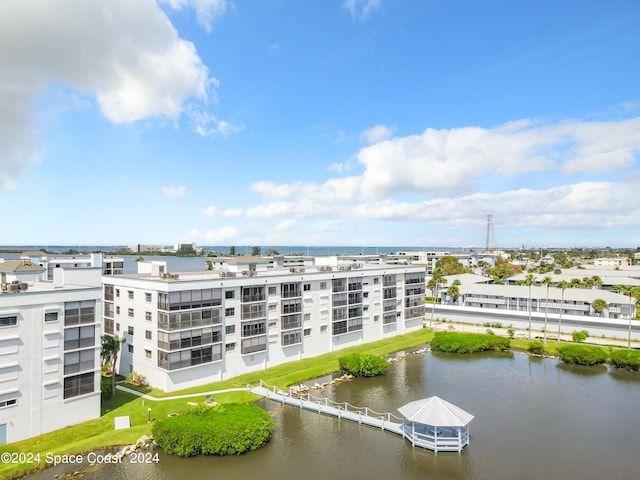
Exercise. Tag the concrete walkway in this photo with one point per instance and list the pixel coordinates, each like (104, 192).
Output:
(177, 397)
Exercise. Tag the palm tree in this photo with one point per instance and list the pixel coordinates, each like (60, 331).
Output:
(110, 349)
(587, 282)
(453, 290)
(632, 292)
(437, 278)
(562, 285)
(597, 281)
(547, 281)
(529, 280)
(599, 305)
(575, 283)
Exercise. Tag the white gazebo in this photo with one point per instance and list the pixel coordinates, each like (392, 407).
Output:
(436, 424)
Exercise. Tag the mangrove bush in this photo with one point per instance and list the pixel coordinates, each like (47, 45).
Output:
(226, 429)
(627, 359)
(583, 354)
(468, 342)
(363, 365)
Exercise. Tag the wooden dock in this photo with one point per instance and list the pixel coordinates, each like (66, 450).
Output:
(362, 415)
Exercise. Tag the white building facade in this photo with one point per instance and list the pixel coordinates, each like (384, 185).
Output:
(189, 329)
(49, 349)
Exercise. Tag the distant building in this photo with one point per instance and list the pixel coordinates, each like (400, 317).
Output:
(613, 261)
(49, 348)
(251, 313)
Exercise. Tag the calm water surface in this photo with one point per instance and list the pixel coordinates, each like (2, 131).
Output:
(535, 419)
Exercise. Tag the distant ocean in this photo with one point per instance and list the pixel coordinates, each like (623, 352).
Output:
(242, 250)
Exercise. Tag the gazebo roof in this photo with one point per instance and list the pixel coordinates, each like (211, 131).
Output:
(435, 411)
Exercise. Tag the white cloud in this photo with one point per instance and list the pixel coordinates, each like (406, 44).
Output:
(377, 133)
(361, 9)
(213, 211)
(206, 124)
(126, 54)
(441, 177)
(285, 226)
(222, 235)
(207, 11)
(174, 192)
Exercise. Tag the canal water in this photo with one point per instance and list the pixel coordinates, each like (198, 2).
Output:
(534, 419)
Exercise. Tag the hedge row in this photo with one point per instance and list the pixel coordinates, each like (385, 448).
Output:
(363, 365)
(583, 355)
(229, 429)
(468, 342)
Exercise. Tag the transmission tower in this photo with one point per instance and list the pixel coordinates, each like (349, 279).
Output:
(490, 245)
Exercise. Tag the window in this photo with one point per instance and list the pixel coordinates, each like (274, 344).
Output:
(8, 403)
(130, 330)
(10, 321)
(229, 312)
(147, 353)
(307, 332)
(79, 337)
(79, 385)
(230, 347)
(130, 294)
(273, 307)
(376, 281)
(130, 348)
(147, 297)
(147, 334)
(229, 294)
(75, 362)
(272, 290)
(147, 316)
(79, 312)
(323, 285)
(51, 316)
(130, 312)
(117, 292)
(117, 310)
(323, 328)
(117, 327)
(229, 329)
(291, 338)
(307, 287)
(307, 316)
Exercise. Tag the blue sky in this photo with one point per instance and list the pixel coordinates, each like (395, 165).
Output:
(344, 122)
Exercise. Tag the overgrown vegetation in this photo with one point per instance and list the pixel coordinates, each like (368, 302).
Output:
(627, 359)
(583, 354)
(468, 342)
(580, 336)
(363, 365)
(229, 429)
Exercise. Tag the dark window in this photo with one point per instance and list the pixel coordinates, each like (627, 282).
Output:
(11, 321)
(79, 385)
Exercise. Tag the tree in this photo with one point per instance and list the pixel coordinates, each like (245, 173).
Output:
(575, 283)
(110, 350)
(547, 281)
(255, 251)
(449, 265)
(579, 336)
(587, 282)
(232, 251)
(437, 278)
(596, 281)
(453, 290)
(599, 305)
(562, 285)
(529, 280)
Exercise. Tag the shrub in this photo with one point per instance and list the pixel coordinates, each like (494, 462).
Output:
(536, 348)
(511, 331)
(105, 387)
(363, 365)
(490, 332)
(229, 429)
(468, 342)
(627, 359)
(583, 355)
(579, 336)
(137, 379)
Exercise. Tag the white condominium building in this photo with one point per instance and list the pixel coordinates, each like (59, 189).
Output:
(190, 329)
(49, 348)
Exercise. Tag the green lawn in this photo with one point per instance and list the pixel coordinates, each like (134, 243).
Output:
(99, 433)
